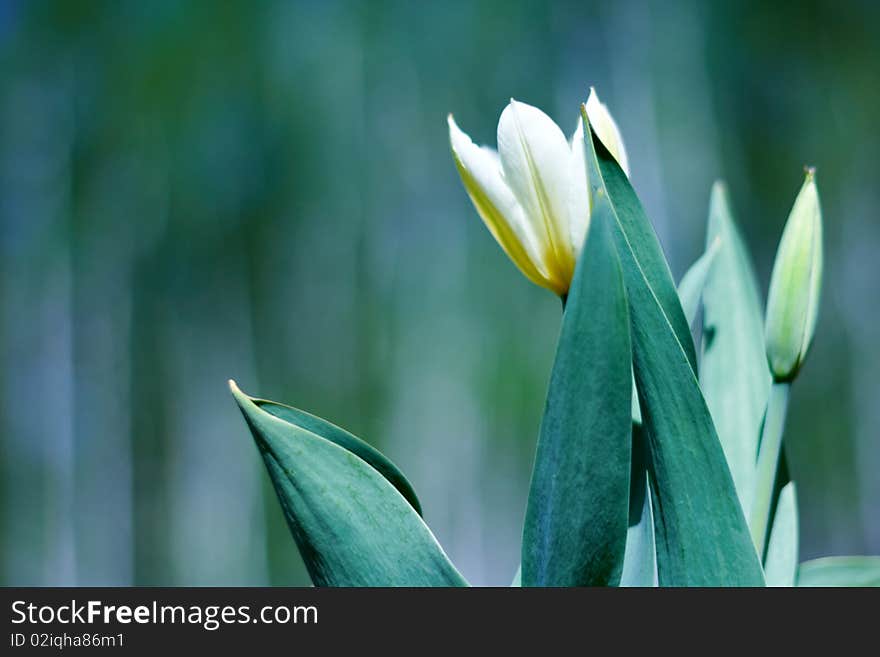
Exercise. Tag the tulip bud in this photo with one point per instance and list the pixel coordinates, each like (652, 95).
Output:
(795, 285)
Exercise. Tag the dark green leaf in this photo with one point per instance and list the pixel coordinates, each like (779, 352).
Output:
(840, 571)
(353, 528)
(701, 533)
(733, 371)
(345, 440)
(641, 248)
(576, 520)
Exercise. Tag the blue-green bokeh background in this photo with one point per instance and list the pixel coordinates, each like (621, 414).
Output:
(192, 191)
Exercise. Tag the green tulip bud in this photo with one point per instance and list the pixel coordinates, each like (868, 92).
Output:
(795, 285)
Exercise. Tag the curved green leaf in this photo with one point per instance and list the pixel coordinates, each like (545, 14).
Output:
(840, 571)
(733, 370)
(352, 527)
(576, 519)
(701, 532)
(347, 441)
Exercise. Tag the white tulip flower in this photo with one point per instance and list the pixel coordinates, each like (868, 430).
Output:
(533, 194)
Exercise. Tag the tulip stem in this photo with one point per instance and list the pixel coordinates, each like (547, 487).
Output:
(768, 462)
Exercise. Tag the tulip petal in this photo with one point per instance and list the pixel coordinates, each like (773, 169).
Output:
(535, 159)
(606, 129)
(579, 191)
(480, 171)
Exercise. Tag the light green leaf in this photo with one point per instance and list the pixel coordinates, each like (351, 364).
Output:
(640, 558)
(733, 371)
(780, 565)
(635, 411)
(347, 441)
(701, 533)
(576, 519)
(690, 287)
(771, 471)
(517, 578)
(840, 571)
(352, 526)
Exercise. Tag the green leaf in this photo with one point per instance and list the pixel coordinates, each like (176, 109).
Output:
(733, 370)
(641, 248)
(576, 519)
(352, 526)
(701, 533)
(780, 565)
(771, 472)
(517, 578)
(690, 287)
(840, 571)
(640, 558)
(347, 441)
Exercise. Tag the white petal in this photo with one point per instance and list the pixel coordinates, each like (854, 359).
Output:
(579, 195)
(607, 130)
(536, 160)
(480, 170)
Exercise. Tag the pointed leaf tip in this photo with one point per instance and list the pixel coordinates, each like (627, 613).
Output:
(329, 431)
(352, 525)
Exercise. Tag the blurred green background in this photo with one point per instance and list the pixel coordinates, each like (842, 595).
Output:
(193, 191)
